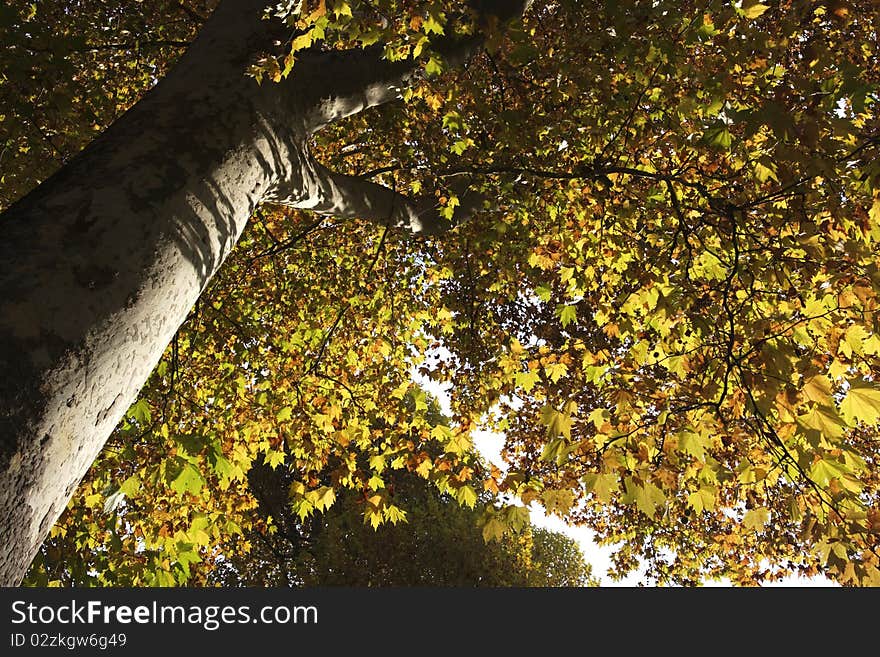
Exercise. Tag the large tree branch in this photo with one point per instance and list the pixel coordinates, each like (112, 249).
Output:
(363, 78)
(330, 193)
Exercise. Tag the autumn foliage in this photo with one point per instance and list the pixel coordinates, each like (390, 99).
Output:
(667, 302)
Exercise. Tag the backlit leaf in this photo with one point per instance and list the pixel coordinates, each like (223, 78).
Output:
(862, 402)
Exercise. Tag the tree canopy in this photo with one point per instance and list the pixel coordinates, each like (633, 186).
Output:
(666, 297)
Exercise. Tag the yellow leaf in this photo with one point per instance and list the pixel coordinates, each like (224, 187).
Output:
(703, 499)
(693, 444)
(556, 371)
(557, 501)
(837, 369)
(320, 11)
(824, 470)
(275, 458)
(872, 345)
(301, 42)
(855, 338)
(756, 518)
(754, 11)
(764, 173)
(824, 420)
(818, 389)
(527, 380)
(874, 212)
(647, 497)
(558, 424)
(467, 495)
(604, 486)
(493, 530)
(862, 402)
(325, 497)
(424, 468)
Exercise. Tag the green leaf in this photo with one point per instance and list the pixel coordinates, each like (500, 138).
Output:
(140, 411)
(567, 314)
(189, 480)
(284, 414)
(718, 135)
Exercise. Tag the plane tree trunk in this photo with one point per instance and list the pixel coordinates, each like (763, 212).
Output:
(100, 264)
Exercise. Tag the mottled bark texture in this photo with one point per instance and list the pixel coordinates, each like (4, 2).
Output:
(100, 264)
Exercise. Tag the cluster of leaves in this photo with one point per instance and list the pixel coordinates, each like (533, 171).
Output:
(403, 29)
(304, 376)
(68, 68)
(677, 305)
(668, 307)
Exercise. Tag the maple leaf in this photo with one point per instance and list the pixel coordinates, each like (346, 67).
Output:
(861, 402)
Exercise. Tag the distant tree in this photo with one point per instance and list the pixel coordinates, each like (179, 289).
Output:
(439, 544)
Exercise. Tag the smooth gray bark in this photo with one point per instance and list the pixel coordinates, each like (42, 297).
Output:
(100, 264)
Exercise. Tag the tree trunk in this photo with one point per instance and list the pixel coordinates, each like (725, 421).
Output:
(100, 264)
